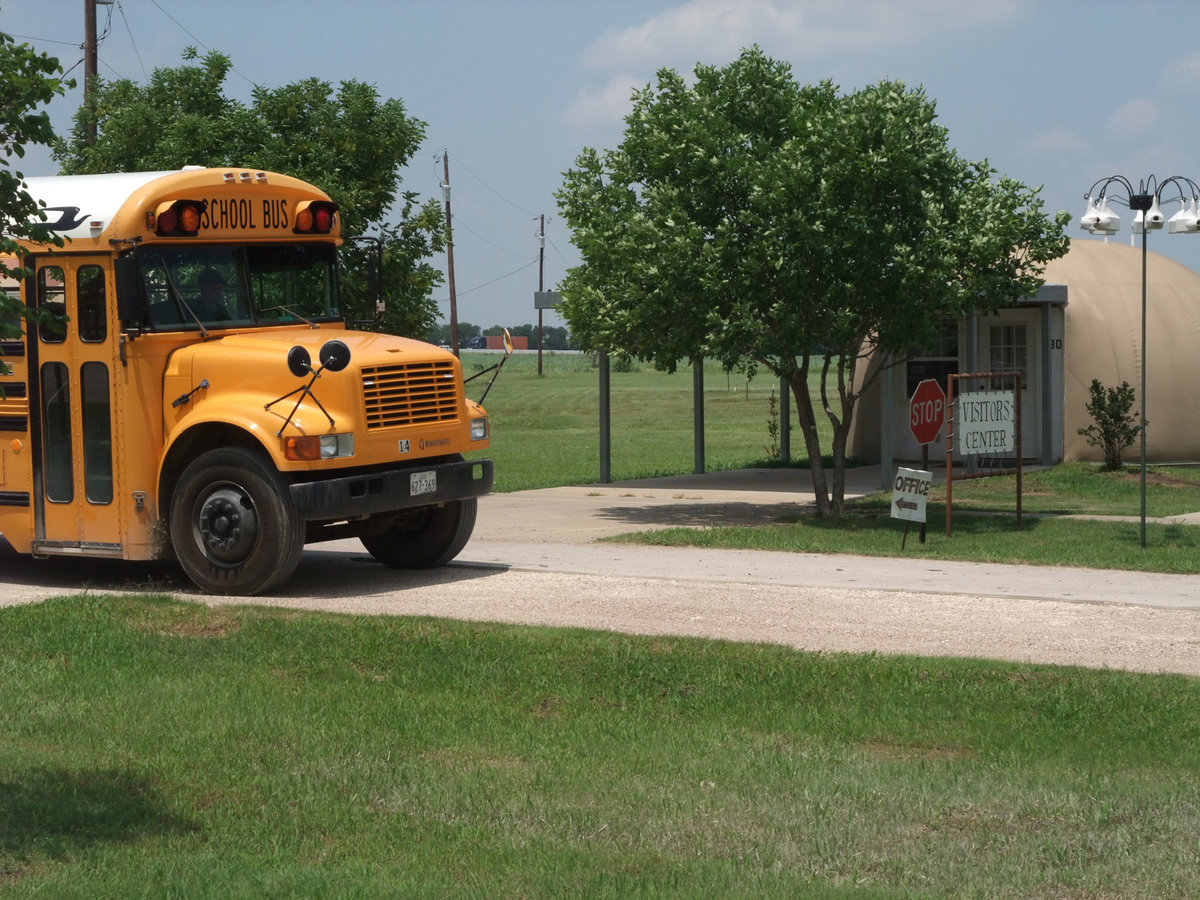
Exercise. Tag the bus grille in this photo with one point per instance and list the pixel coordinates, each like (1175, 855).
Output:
(411, 394)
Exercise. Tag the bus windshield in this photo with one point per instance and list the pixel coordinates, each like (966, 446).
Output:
(238, 286)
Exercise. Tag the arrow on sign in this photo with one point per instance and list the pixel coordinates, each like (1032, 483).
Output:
(907, 504)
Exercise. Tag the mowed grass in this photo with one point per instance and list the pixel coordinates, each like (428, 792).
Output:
(150, 748)
(985, 527)
(546, 428)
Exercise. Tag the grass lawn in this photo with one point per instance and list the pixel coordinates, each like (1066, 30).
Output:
(150, 748)
(985, 527)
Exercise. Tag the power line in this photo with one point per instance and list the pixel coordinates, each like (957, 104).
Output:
(42, 40)
(497, 278)
(198, 41)
(493, 190)
(458, 223)
(557, 248)
(132, 42)
(457, 220)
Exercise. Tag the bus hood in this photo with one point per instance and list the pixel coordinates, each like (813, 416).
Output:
(273, 348)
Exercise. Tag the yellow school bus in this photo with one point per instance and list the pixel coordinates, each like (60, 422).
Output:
(193, 389)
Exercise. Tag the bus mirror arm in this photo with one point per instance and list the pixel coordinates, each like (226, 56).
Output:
(334, 357)
(508, 351)
(184, 398)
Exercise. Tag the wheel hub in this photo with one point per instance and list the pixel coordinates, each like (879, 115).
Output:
(227, 525)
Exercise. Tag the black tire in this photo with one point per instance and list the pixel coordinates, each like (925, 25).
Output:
(234, 524)
(426, 537)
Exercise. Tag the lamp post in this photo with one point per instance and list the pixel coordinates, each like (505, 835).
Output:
(1146, 201)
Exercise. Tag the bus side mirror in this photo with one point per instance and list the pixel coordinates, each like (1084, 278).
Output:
(131, 299)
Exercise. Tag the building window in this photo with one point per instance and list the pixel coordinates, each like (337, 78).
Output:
(1009, 350)
(938, 362)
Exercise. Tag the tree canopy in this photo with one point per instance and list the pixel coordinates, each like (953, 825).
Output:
(28, 81)
(345, 140)
(770, 225)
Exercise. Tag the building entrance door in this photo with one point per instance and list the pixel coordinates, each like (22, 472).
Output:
(1009, 343)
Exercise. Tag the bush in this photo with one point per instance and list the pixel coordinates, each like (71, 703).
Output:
(1114, 427)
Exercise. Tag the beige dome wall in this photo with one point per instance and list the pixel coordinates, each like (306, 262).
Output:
(1104, 335)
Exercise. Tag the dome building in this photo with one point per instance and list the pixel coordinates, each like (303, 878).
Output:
(1084, 324)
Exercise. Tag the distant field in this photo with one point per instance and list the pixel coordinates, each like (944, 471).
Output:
(546, 428)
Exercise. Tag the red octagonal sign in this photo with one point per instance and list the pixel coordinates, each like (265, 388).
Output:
(927, 411)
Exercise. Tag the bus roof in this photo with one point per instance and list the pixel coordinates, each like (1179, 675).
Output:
(73, 202)
(82, 207)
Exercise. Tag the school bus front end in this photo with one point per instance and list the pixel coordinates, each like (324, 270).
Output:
(364, 433)
(198, 394)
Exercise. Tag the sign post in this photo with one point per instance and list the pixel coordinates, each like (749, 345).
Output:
(926, 415)
(910, 490)
(984, 424)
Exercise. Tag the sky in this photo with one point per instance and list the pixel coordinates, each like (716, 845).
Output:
(1054, 93)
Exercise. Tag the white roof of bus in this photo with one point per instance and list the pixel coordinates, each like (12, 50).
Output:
(77, 200)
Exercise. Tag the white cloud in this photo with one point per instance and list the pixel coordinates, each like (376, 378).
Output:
(714, 31)
(1181, 75)
(1134, 118)
(594, 110)
(1056, 142)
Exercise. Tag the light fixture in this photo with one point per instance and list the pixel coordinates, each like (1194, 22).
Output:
(1146, 202)
(1187, 220)
(1099, 219)
(1149, 219)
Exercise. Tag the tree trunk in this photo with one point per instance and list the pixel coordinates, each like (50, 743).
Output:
(812, 442)
(830, 504)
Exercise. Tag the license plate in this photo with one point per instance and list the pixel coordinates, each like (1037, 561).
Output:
(422, 483)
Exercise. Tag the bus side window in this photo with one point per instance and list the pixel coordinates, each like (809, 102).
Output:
(56, 425)
(90, 305)
(52, 306)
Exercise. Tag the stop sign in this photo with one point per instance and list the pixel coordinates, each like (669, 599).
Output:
(927, 411)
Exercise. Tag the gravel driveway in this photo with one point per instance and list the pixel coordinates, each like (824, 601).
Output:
(534, 560)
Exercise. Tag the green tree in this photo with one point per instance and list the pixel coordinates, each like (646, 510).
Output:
(771, 225)
(344, 140)
(28, 80)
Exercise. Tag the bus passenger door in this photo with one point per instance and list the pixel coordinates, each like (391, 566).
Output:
(74, 481)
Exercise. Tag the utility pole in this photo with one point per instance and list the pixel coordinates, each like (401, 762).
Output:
(90, 58)
(89, 61)
(541, 236)
(450, 256)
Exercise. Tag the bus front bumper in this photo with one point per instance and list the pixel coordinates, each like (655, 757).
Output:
(390, 490)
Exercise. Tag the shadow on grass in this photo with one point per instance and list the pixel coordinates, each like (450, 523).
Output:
(55, 813)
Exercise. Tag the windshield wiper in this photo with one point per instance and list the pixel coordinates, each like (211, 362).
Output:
(292, 313)
(179, 298)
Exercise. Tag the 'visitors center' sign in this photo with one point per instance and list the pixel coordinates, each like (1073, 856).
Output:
(985, 423)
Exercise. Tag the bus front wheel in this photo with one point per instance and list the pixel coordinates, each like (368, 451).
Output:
(234, 525)
(426, 537)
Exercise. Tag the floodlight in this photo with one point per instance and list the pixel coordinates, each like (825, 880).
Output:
(1099, 219)
(1187, 220)
(1149, 220)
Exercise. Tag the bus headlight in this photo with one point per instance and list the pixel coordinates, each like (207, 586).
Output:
(309, 447)
(479, 429)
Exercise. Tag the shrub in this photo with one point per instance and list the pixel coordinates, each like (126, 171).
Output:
(1113, 427)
